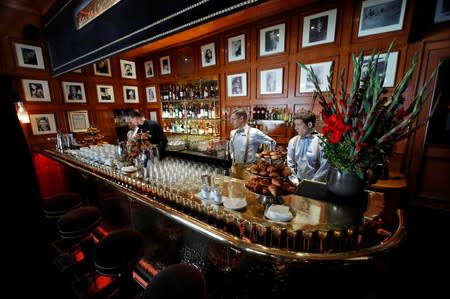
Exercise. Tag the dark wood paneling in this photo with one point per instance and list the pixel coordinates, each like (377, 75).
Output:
(187, 45)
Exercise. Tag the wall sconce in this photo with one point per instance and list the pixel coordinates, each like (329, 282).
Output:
(22, 113)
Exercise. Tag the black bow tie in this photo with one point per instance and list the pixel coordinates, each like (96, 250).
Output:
(240, 130)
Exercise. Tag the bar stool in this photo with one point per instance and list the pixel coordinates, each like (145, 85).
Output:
(61, 203)
(78, 224)
(54, 207)
(177, 281)
(116, 254)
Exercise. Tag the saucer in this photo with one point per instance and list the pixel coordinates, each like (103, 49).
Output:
(278, 213)
(129, 169)
(234, 203)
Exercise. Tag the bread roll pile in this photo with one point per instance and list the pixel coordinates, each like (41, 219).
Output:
(277, 154)
(270, 179)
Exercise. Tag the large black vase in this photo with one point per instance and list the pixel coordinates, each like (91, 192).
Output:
(344, 184)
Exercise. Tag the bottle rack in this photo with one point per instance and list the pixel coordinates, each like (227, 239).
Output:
(191, 108)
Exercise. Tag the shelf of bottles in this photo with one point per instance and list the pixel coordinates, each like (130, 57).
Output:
(274, 112)
(191, 108)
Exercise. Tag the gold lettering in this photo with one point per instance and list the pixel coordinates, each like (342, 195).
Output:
(92, 10)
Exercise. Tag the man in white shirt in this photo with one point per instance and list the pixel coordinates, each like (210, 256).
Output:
(244, 143)
(304, 154)
(133, 130)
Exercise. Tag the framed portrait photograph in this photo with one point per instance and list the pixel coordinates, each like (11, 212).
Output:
(319, 28)
(391, 67)
(29, 56)
(379, 16)
(43, 124)
(149, 69)
(153, 115)
(442, 12)
(236, 48)
(271, 81)
(130, 94)
(74, 92)
(208, 53)
(103, 68)
(151, 94)
(237, 85)
(271, 39)
(36, 90)
(105, 93)
(165, 65)
(127, 69)
(78, 121)
(321, 70)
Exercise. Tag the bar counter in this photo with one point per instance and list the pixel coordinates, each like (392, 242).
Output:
(322, 229)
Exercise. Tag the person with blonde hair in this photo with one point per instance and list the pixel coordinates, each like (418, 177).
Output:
(244, 143)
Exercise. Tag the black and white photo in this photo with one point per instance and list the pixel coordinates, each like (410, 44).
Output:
(127, 69)
(321, 70)
(43, 124)
(74, 92)
(208, 53)
(154, 115)
(442, 12)
(151, 94)
(102, 68)
(379, 16)
(105, 93)
(236, 48)
(130, 94)
(271, 81)
(36, 90)
(391, 67)
(272, 39)
(78, 121)
(237, 85)
(149, 70)
(319, 28)
(165, 65)
(29, 56)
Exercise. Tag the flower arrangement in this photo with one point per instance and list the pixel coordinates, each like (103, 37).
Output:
(139, 143)
(361, 127)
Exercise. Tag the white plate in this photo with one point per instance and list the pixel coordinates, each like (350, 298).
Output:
(235, 203)
(278, 213)
(129, 169)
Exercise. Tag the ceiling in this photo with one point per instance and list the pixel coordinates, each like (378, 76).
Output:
(260, 11)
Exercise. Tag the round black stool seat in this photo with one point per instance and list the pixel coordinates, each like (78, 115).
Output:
(177, 281)
(59, 204)
(79, 222)
(118, 252)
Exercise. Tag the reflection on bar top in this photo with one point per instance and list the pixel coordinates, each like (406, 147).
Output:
(316, 209)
